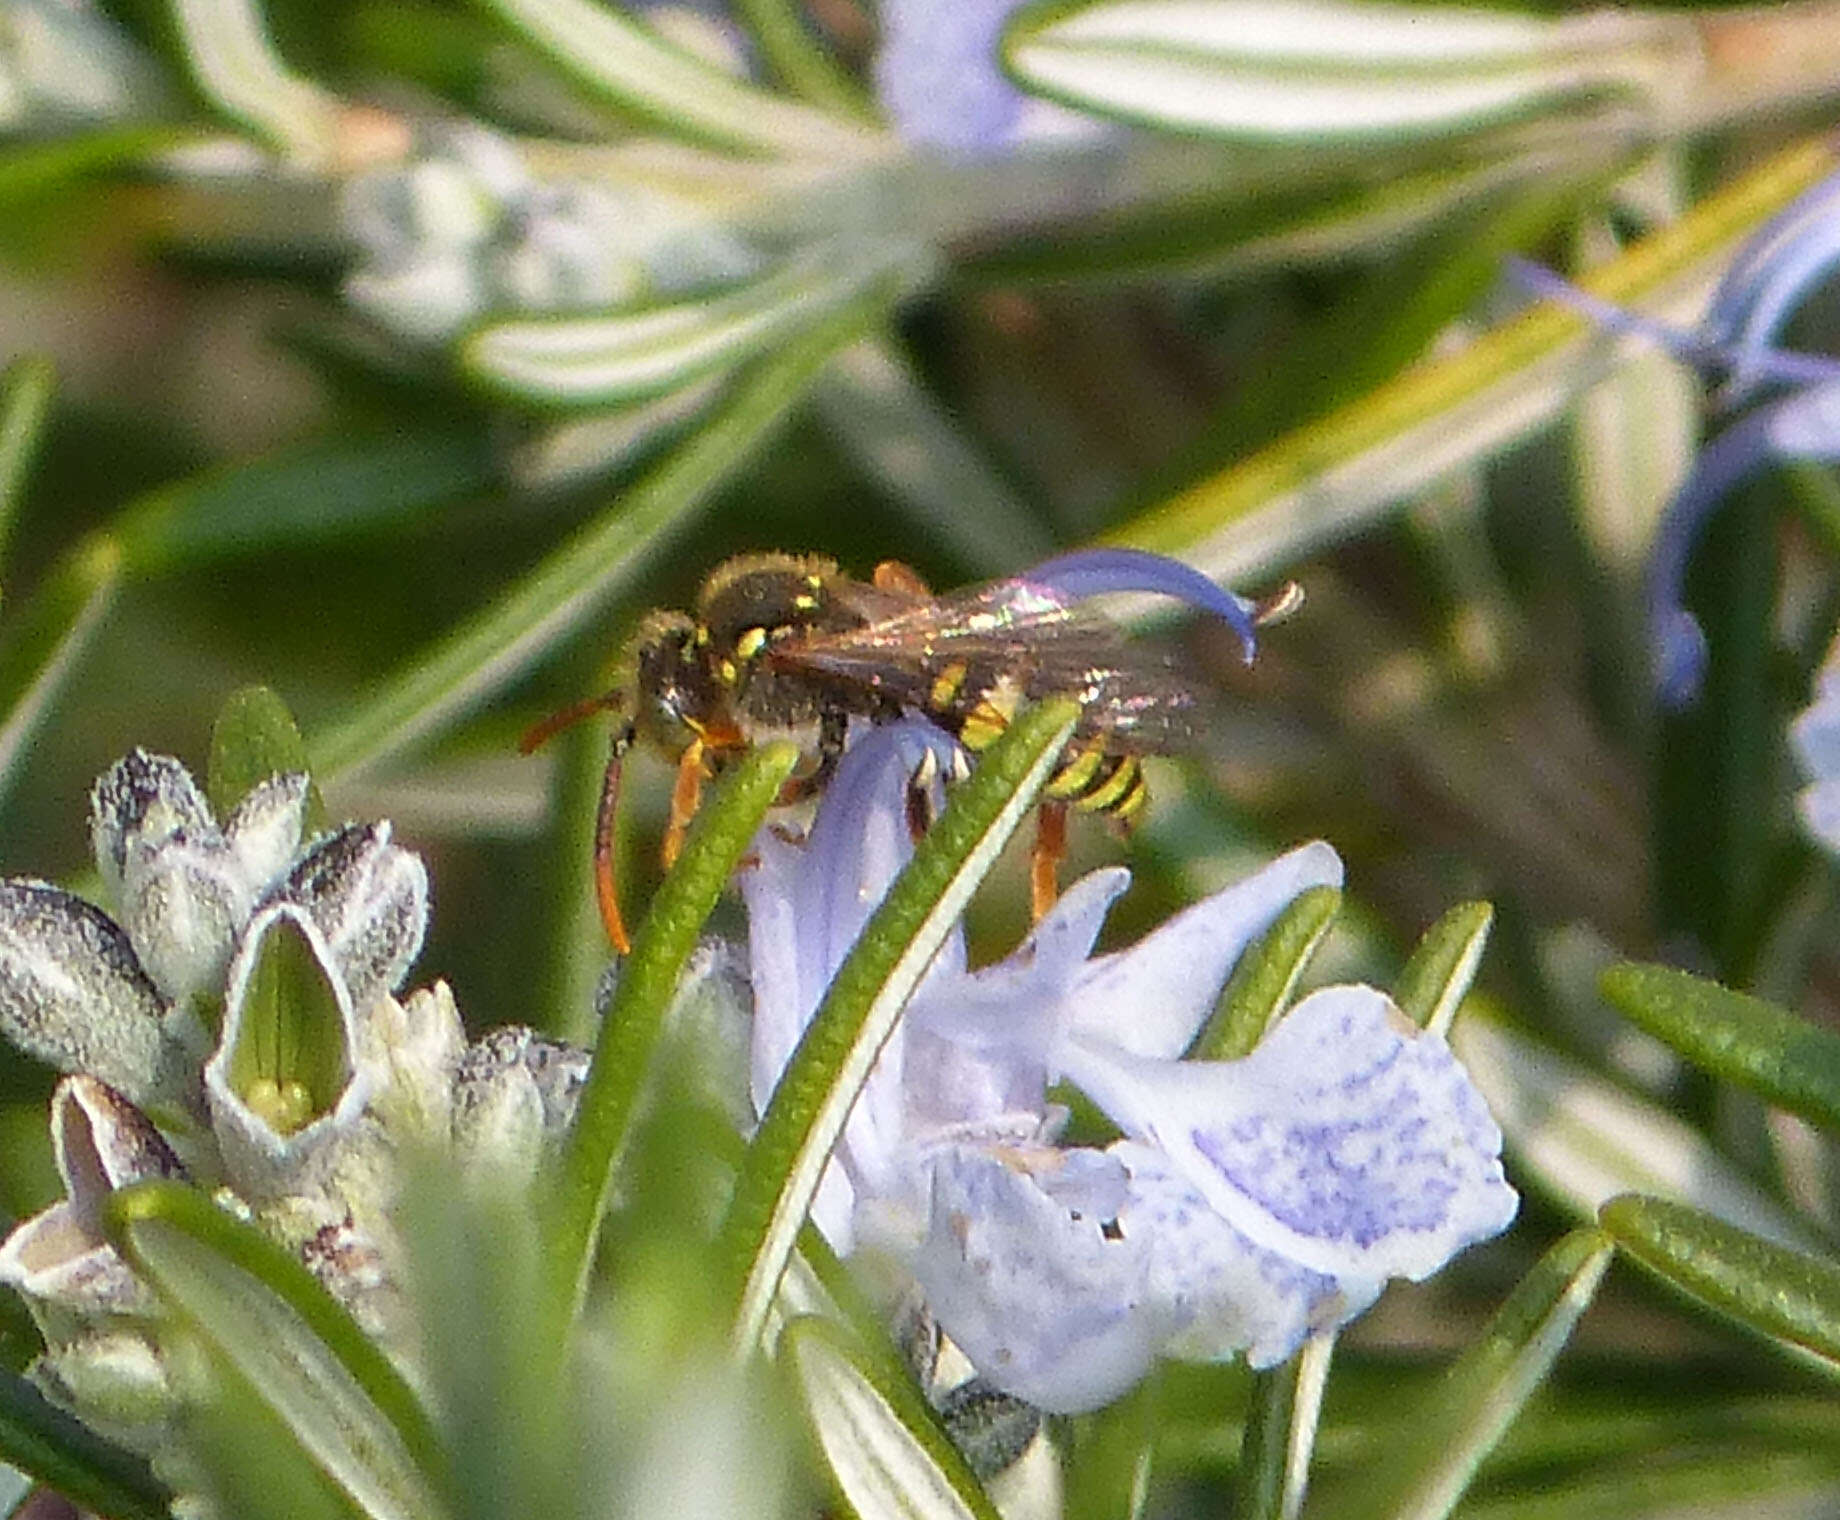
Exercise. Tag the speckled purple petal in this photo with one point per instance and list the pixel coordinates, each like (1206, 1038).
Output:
(1096, 572)
(1804, 424)
(1230, 1295)
(1348, 1142)
(1152, 999)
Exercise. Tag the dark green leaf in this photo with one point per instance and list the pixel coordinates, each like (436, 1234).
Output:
(1267, 974)
(25, 398)
(1758, 1046)
(1439, 1444)
(300, 1349)
(254, 738)
(1435, 979)
(721, 832)
(1787, 1294)
(783, 1164)
(62, 1453)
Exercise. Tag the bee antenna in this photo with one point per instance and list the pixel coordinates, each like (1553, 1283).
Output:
(540, 733)
(606, 888)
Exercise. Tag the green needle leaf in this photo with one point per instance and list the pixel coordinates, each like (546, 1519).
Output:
(1266, 977)
(1461, 1422)
(720, 834)
(255, 737)
(492, 648)
(25, 401)
(595, 361)
(884, 1446)
(626, 63)
(1274, 1461)
(1758, 1046)
(1442, 967)
(237, 70)
(263, 1313)
(44, 640)
(1786, 1294)
(1325, 70)
(60, 1452)
(780, 1172)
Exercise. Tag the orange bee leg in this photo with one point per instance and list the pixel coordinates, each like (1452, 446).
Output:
(606, 890)
(892, 575)
(1045, 861)
(686, 797)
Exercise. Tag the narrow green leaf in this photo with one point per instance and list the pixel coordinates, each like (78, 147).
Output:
(720, 834)
(1743, 1483)
(1765, 1049)
(1787, 1294)
(36, 168)
(1274, 1460)
(1438, 976)
(59, 1451)
(1266, 977)
(885, 1449)
(1316, 70)
(25, 400)
(299, 1349)
(786, 1158)
(599, 360)
(1584, 1139)
(805, 64)
(321, 490)
(43, 641)
(918, 452)
(236, 69)
(626, 63)
(255, 737)
(1332, 477)
(1431, 1465)
(492, 648)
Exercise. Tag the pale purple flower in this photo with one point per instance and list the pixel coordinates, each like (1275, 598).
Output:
(1784, 263)
(939, 76)
(1249, 1205)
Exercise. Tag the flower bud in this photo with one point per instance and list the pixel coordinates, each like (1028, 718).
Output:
(514, 1094)
(147, 800)
(73, 994)
(370, 901)
(264, 831)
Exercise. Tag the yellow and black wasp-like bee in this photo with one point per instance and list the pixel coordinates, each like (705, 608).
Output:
(788, 646)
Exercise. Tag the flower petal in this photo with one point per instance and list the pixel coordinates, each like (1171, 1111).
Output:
(1349, 1141)
(1045, 1302)
(1152, 999)
(1802, 425)
(938, 77)
(1097, 572)
(1232, 1295)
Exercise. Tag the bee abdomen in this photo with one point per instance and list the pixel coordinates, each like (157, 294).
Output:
(1096, 781)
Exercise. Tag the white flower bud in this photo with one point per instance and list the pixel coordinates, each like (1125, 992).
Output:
(146, 800)
(515, 1093)
(370, 901)
(182, 904)
(264, 831)
(73, 994)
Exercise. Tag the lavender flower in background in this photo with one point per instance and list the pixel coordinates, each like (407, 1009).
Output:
(1250, 1204)
(939, 77)
(1771, 277)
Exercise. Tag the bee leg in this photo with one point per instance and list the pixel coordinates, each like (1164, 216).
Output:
(833, 734)
(918, 798)
(686, 797)
(606, 889)
(1045, 861)
(892, 575)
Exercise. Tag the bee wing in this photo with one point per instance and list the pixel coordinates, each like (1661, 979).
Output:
(943, 654)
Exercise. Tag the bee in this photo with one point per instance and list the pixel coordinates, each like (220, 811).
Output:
(786, 646)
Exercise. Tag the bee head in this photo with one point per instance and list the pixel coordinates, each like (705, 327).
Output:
(673, 695)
